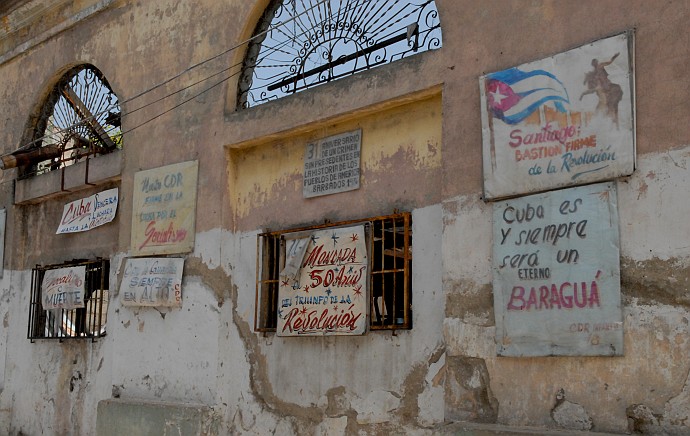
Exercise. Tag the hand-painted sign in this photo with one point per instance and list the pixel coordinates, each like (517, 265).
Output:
(331, 165)
(88, 213)
(561, 121)
(63, 288)
(556, 274)
(164, 209)
(152, 282)
(329, 295)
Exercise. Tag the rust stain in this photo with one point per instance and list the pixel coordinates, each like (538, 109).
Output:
(642, 190)
(439, 377)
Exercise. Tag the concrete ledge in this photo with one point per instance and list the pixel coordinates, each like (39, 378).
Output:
(81, 175)
(132, 417)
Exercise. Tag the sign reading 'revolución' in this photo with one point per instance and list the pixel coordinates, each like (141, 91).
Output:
(556, 274)
(331, 165)
(327, 294)
(561, 121)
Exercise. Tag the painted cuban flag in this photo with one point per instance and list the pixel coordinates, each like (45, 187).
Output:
(514, 94)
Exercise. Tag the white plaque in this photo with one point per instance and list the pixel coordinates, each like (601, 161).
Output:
(331, 165)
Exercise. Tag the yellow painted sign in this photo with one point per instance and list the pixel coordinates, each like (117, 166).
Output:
(164, 209)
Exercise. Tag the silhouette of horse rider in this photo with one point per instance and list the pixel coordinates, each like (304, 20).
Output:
(609, 94)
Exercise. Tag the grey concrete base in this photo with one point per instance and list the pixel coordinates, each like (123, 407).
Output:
(471, 429)
(131, 417)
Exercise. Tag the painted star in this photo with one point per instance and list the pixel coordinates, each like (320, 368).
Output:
(358, 291)
(306, 288)
(497, 96)
(328, 291)
(335, 239)
(335, 308)
(314, 238)
(286, 282)
(280, 314)
(354, 237)
(352, 268)
(303, 311)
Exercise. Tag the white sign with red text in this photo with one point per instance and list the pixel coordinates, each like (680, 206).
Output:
(328, 295)
(164, 209)
(63, 288)
(561, 121)
(556, 274)
(88, 213)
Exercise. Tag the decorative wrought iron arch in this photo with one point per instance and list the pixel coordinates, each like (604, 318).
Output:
(299, 44)
(79, 118)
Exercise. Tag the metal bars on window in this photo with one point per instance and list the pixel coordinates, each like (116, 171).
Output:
(391, 248)
(87, 322)
(299, 44)
(390, 271)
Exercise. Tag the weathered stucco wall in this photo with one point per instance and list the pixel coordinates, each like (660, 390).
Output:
(653, 372)
(421, 152)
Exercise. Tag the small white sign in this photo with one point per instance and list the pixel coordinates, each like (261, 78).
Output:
(63, 288)
(331, 165)
(88, 213)
(152, 282)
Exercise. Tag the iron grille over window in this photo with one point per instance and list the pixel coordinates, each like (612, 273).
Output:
(389, 242)
(79, 119)
(303, 43)
(83, 322)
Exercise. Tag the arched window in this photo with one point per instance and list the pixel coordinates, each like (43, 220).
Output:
(299, 44)
(79, 118)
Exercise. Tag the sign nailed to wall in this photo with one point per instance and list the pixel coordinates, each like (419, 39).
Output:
(164, 209)
(561, 121)
(152, 282)
(327, 295)
(556, 274)
(331, 165)
(63, 288)
(88, 213)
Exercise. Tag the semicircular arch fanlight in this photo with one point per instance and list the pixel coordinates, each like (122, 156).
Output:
(79, 118)
(299, 44)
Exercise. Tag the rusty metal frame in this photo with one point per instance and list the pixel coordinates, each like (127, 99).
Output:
(397, 219)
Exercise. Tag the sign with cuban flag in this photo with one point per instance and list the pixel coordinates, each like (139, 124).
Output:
(561, 121)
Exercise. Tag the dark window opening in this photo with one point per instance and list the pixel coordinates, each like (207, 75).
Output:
(77, 323)
(389, 241)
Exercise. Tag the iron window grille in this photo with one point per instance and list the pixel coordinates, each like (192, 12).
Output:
(299, 44)
(79, 119)
(81, 323)
(389, 242)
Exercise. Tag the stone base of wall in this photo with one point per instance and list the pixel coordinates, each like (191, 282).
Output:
(129, 417)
